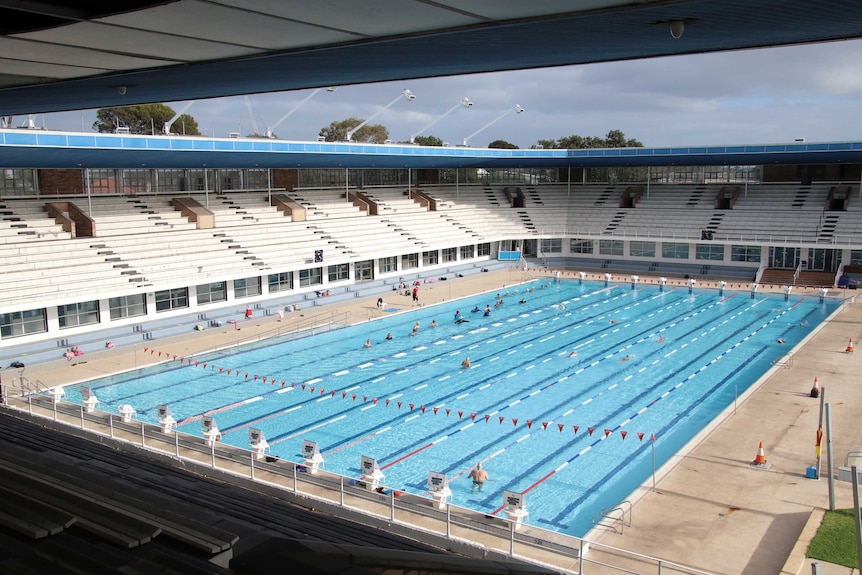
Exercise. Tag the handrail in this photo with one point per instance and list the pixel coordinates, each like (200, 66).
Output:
(608, 513)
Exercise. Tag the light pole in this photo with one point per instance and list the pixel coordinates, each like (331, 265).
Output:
(406, 94)
(271, 129)
(516, 108)
(464, 103)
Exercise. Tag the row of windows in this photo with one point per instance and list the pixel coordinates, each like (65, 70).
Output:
(669, 250)
(18, 324)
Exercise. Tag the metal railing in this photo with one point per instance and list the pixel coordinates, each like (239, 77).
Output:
(611, 517)
(387, 507)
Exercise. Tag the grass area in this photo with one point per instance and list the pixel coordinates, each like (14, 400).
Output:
(835, 541)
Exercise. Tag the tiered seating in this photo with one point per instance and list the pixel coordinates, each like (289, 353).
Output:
(122, 215)
(240, 208)
(23, 220)
(323, 204)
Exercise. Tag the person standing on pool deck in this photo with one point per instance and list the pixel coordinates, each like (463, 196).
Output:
(479, 477)
(416, 295)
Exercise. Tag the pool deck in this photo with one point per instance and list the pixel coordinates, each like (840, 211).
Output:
(711, 508)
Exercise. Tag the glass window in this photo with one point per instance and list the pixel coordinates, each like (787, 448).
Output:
(674, 250)
(246, 287)
(581, 246)
(17, 182)
(127, 306)
(855, 259)
(18, 323)
(611, 247)
(170, 180)
(363, 271)
(714, 252)
(103, 181)
(552, 246)
(209, 293)
(409, 261)
(230, 179)
(339, 272)
(640, 249)
(75, 314)
(280, 282)
(388, 265)
(172, 299)
(257, 179)
(467, 252)
(450, 255)
(483, 249)
(745, 254)
(430, 258)
(311, 277)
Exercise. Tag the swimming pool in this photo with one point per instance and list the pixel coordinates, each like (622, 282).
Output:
(563, 397)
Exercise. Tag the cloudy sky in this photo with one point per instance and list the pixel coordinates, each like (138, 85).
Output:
(770, 95)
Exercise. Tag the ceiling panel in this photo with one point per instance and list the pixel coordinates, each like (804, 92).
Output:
(70, 56)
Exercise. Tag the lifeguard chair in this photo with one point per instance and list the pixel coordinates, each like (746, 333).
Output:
(258, 443)
(371, 474)
(438, 487)
(311, 456)
(166, 422)
(515, 508)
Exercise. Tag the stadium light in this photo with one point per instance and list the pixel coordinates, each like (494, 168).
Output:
(464, 103)
(516, 108)
(406, 94)
(271, 129)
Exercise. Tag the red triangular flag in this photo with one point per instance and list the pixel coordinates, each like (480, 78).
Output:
(515, 421)
(411, 407)
(422, 407)
(576, 428)
(545, 425)
(608, 432)
(560, 425)
(624, 433)
(487, 417)
(501, 419)
(529, 424)
(591, 429)
(641, 435)
(652, 436)
(435, 410)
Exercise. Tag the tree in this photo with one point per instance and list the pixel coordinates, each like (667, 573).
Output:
(428, 141)
(545, 144)
(613, 139)
(372, 134)
(503, 144)
(144, 119)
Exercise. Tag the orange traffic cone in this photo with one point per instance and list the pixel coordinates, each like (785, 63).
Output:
(849, 347)
(760, 458)
(815, 389)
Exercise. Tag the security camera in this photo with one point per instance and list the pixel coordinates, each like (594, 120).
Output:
(677, 27)
(121, 90)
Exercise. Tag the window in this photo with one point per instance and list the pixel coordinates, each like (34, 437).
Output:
(127, 306)
(581, 246)
(75, 314)
(339, 272)
(257, 178)
(449, 255)
(209, 293)
(103, 181)
(170, 180)
(387, 265)
(136, 181)
(280, 282)
(642, 249)
(611, 247)
(552, 246)
(311, 277)
(745, 254)
(172, 299)
(18, 323)
(230, 179)
(18, 182)
(430, 258)
(673, 250)
(467, 252)
(363, 271)
(483, 249)
(409, 261)
(714, 252)
(246, 287)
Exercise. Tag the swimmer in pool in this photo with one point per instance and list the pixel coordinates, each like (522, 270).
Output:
(627, 358)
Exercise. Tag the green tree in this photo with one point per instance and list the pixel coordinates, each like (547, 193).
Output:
(545, 144)
(503, 144)
(144, 119)
(372, 134)
(613, 139)
(428, 141)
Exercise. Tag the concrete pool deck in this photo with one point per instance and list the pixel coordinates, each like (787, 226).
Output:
(711, 509)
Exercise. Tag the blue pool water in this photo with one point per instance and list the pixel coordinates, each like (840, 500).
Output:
(542, 420)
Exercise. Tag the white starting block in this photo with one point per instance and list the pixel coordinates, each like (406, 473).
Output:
(166, 421)
(438, 487)
(89, 398)
(515, 508)
(126, 412)
(56, 393)
(258, 443)
(371, 474)
(210, 431)
(311, 457)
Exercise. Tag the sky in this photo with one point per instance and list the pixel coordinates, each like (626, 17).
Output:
(770, 95)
